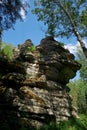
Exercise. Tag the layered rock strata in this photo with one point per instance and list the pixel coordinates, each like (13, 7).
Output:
(33, 89)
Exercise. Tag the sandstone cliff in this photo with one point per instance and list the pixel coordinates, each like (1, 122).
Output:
(33, 87)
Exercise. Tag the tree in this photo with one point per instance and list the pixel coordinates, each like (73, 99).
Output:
(83, 71)
(10, 11)
(79, 87)
(83, 61)
(64, 18)
(78, 91)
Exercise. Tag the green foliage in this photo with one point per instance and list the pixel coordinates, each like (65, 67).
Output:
(83, 120)
(71, 124)
(32, 48)
(62, 16)
(83, 83)
(7, 50)
(79, 87)
(73, 92)
(83, 61)
(78, 90)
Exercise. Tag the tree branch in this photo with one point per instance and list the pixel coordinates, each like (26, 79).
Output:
(73, 26)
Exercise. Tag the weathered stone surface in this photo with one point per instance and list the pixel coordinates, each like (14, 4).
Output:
(33, 87)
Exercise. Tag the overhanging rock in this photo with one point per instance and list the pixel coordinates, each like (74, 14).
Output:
(33, 87)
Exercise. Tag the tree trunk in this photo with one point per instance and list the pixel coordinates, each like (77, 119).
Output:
(76, 33)
(0, 40)
(81, 43)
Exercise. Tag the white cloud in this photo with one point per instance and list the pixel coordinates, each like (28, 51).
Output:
(22, 12)
(85, 42)
(72, 48)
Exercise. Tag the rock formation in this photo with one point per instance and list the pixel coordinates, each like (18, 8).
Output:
(33, 89)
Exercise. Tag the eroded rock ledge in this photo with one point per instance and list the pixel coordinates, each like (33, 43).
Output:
(33, 87)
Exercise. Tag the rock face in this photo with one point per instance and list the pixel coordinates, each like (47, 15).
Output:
(33, 89)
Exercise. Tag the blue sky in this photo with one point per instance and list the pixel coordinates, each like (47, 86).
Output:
(32, 29)
(29, 29)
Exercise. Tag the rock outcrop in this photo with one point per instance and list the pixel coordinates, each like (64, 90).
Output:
(33, 89)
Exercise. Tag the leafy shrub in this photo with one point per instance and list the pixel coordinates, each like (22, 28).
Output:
(83, 120)
(72, 124)
(32, 48)
(78, 91)
(7, 50)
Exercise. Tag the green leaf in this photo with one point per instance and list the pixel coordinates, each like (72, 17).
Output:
(7, 50)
